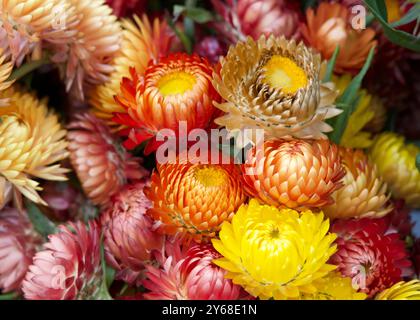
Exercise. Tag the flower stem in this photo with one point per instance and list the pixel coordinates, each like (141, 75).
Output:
(28, 68)
(9, 296)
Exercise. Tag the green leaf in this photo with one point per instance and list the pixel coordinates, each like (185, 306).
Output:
(41, 223)
(28, 68)
(399, 37)
(199, 15)
(186, 42)
(331, 65)
(348, 100)
(410, 16)
(9, 296)
(107, 276)
(418, 162)
(308, 4)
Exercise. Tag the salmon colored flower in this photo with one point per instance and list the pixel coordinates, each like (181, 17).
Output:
(26, 24)
(368, 253)
(329, 26)
(142, 41)
(69, 267)
(396, 162)
(18, 244)
(364, 194)
(101, 164)
(297, 174)
(275, 84)
(6, 68)
(129, 235)
(31, 143)
(177, 88)
(257, 17)
(275, 253)
(404, 290)
(89, 54)
(190, 276)
(194, 199)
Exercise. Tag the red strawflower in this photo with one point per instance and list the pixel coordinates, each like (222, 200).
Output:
(372, 257)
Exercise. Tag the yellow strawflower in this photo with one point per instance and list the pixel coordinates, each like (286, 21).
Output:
(334, 287)
(396, 163)
(275, 253)
(401, 291)
(31, 143)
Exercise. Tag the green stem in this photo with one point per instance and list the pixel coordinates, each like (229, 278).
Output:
(28, 68)
(9, 296)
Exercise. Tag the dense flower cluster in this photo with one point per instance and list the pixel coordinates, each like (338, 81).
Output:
(210, 150)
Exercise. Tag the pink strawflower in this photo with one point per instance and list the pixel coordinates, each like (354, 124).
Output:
(190, 275)
(18, 244)
(129, 235)
(69, 267)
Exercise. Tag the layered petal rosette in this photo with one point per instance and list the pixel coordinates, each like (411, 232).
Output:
(190, 276)
(396, 162)
(275, 253)
(364, 193)
(176, 89)
(18, 244)
(69, 267)
(296, 174)
(330, 26)
(142, 41)
(129, 234)
(32, 142)
(193, 199)
(275, 84)
(100, 162)
(368, 253)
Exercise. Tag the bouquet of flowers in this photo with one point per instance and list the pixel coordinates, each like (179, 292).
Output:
(209, 150)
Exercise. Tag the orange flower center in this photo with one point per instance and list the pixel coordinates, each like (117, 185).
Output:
(284, 74)
(177, 82)
(211, 176)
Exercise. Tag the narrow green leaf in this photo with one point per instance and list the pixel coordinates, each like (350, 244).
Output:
(41, 223)
(103, 293)
(9, 296)
(351, 91)
(348, 100)
(399, 37)
(178, 10)
(413, 14)
(28, 68)
(186, 42)
(199, 15)
(331, 65)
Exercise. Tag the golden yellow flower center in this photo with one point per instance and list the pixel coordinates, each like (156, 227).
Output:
(211, 176)
(393, 10)
(283, 73)
(177, 82)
